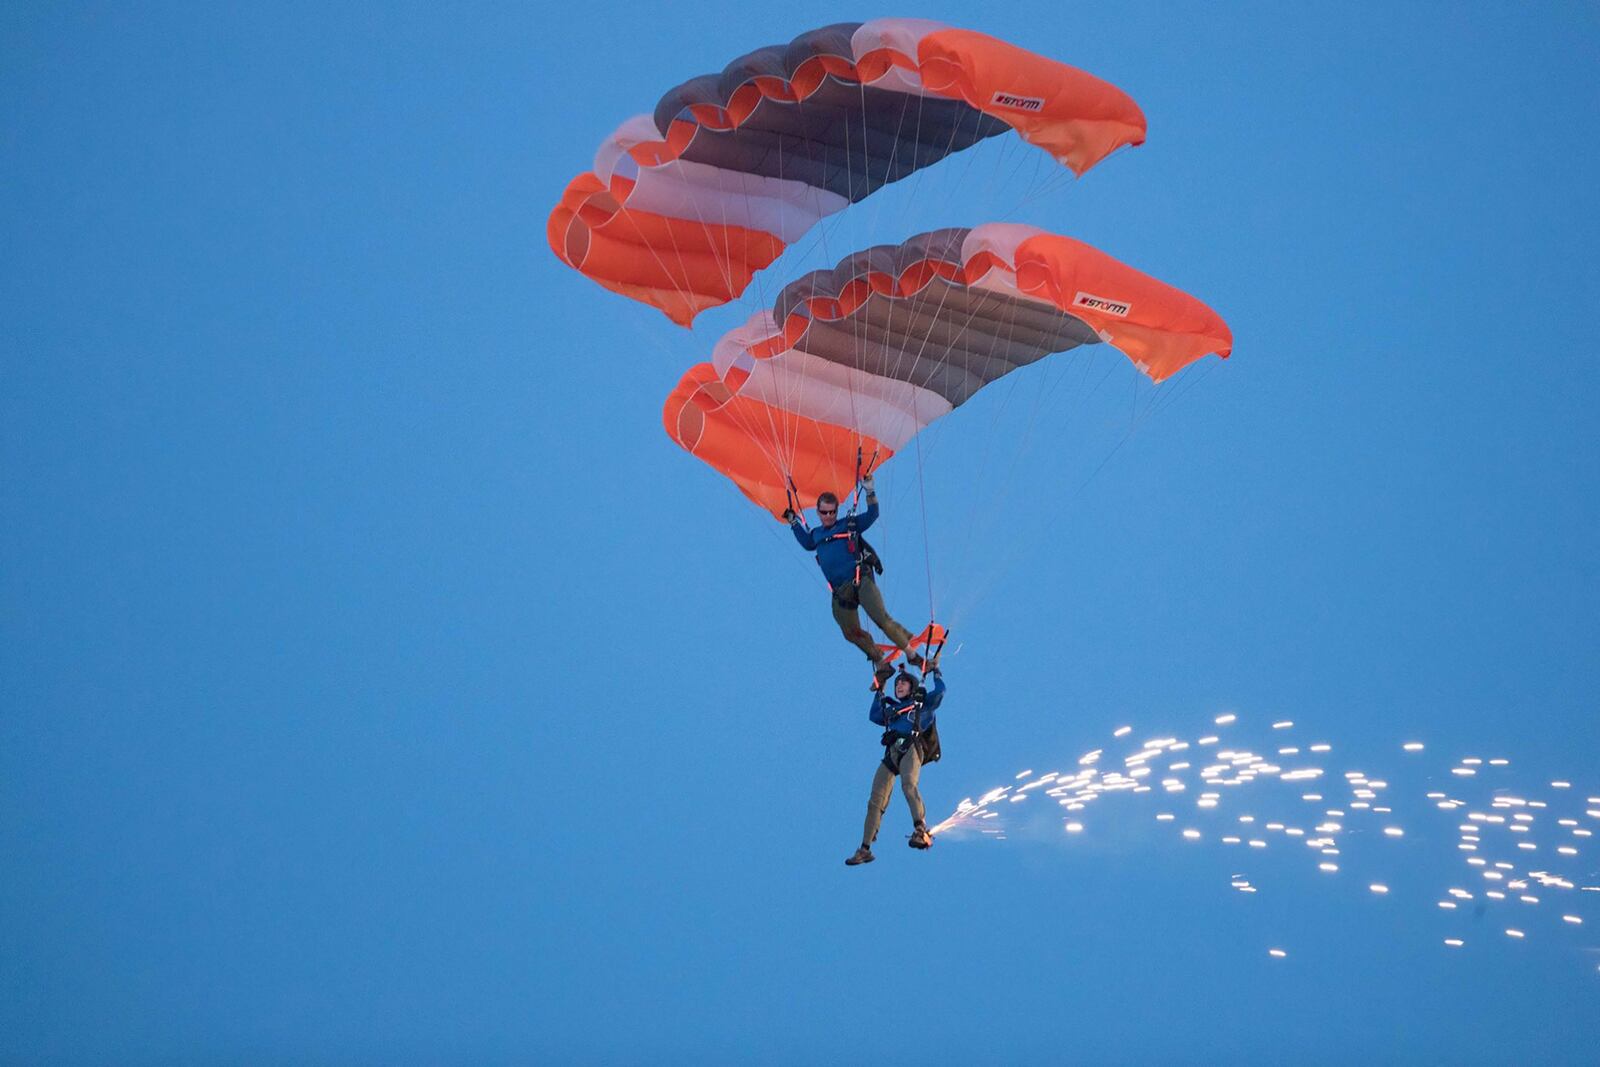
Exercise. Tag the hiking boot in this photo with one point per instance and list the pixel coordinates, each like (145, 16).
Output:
(920, 838)
(862, 855)
(880, 674)
(914, 660)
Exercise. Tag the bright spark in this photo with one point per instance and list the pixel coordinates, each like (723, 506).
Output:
(1502, 810)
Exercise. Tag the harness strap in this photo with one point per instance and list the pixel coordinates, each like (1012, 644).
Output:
(901, 743)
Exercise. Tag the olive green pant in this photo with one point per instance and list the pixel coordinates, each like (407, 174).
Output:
(883, 783)
(849, 620)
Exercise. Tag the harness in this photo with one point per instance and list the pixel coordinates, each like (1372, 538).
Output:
(927, 742)
(861, 553)
(865, 557)
(896, 744)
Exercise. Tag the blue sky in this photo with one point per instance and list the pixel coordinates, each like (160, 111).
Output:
(378, 683)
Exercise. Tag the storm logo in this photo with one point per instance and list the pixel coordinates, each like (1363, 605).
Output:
(1018, 103)
(1119, 308)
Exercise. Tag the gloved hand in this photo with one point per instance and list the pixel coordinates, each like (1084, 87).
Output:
(866, 483)
(790, 517)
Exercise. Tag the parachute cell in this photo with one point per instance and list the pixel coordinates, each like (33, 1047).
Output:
(685, 205)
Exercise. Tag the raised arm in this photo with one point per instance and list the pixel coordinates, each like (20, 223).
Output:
(875, 713)
(870, 516)
(935, 691)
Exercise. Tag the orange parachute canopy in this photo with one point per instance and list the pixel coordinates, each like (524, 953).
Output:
(684, 205)
(850, 363)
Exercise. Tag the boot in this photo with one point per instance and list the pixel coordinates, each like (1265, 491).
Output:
(862, 855)
(880, 674)
(920, 838)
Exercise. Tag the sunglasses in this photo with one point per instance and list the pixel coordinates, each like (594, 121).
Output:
(827, 511)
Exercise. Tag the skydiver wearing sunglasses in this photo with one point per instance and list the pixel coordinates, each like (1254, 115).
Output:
(849, 563)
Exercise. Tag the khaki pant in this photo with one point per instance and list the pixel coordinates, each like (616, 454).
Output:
(910, 765)
(849, 620)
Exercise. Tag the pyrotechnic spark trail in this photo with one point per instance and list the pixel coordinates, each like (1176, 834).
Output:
(1494, 818)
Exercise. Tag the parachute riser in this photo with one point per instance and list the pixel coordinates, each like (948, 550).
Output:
(855, 493)
(792, 494)
(861, 472)
(916, 721)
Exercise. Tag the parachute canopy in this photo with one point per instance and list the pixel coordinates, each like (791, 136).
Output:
(684, 205)
(856, 360)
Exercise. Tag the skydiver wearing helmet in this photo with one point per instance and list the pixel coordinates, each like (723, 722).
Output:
(848, 563)
(910, 740)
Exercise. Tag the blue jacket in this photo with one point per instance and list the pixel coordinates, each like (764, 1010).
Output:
(832, 544)
(898, 714)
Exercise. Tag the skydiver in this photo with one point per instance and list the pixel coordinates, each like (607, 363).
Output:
(910, 740)
(848, 563)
